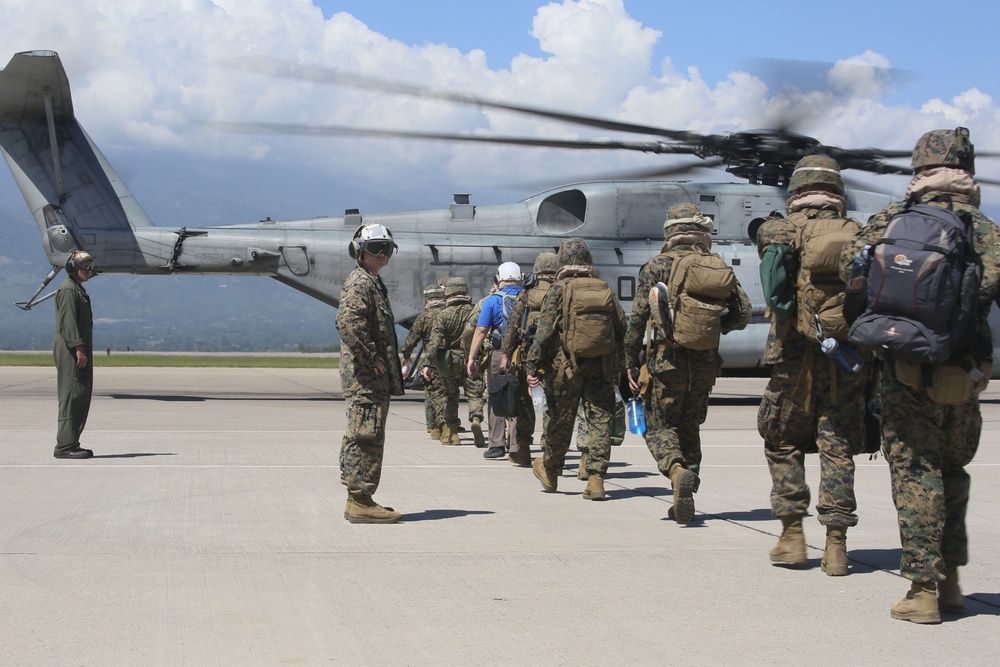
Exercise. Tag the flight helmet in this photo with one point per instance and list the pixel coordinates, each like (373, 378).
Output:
(76, 260)
(508, 272)
(945, 148)
(374, 239)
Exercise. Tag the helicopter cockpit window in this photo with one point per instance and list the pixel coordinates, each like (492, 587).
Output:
(562, 212)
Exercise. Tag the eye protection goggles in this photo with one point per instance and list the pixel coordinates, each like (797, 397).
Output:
(379, 248)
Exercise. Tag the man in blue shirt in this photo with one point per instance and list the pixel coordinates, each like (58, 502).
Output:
(492, 323)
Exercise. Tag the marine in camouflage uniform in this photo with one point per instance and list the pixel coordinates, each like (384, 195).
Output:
(810, 404)
(679, 379)
(369, 374)
(515, 345)
(73, 353)
(446, 339)
(926, 444)
(475, 385)
(591, 381)
(420, 332)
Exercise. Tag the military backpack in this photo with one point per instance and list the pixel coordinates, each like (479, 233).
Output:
(698, 286)
(819, 290)
(588, 318)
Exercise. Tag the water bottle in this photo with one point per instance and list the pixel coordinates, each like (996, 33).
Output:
(843, 356)
(538, 398)
(635, 416)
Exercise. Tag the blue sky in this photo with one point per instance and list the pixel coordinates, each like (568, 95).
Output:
(141, 81)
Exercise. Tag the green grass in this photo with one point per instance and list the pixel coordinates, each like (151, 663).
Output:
(179, 361)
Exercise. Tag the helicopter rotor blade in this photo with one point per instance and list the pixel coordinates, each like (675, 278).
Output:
(631, 175)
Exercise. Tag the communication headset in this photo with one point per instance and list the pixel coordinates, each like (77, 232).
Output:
(354, 248)
(76, 259)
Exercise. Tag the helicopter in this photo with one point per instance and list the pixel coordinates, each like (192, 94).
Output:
(78, 201)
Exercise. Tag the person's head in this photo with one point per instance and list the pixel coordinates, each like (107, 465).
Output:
(686, 219)
(433, 291)
(816, 172)
(80, 266)
(455, 286)
(372, 246)
(508, 273)
(575, 252)
(545, 263)
(944, 148)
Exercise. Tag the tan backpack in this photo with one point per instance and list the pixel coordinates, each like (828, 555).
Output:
(819, 291)
(588, 318)
(699, 284)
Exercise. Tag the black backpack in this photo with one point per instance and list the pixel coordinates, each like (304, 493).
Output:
(923, 284)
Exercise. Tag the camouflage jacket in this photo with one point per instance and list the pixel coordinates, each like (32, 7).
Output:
(985, 239)
(420, 331)
(657, 270)
(447, 331)
(546, 354)
(367, 333)
(513, 334)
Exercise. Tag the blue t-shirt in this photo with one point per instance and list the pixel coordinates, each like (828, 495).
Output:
(492, 315)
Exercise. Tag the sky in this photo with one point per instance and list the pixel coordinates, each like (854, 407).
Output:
(142, 78)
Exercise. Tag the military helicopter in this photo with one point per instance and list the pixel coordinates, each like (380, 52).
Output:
(79, 202)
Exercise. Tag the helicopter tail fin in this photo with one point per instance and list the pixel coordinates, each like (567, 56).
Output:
(67, 182)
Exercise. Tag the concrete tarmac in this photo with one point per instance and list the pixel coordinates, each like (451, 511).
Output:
(209, 530)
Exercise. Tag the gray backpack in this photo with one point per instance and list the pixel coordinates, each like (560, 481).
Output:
(923, 285)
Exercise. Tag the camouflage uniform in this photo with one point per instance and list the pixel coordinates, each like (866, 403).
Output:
(926, 444)
(449, 325)
(591, 381)
(474, 387)
(75, 385)
(367, 334)
(810, 404)
(680, 379)
(420, 332)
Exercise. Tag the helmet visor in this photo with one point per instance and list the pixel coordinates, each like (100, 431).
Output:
(378, 248)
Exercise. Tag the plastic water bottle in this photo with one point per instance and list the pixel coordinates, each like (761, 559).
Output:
(843, 356)
(635, 416)
(538, 398)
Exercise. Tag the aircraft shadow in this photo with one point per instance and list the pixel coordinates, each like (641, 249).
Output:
(437, 515)
(182, 398)
(760, 514)
(990, 600)
(640, 491)
(735, 400)
(876, 559)
(133, 455)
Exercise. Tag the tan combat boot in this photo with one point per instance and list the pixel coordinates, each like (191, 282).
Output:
(548, 478)
(454, 438)
(919, 606)
(521, 457)
(949, 593)
(791, 546)
(684, 483)
(435, 433)
(835, 556)
(581, 472)
(445, 434)
(595, 488)
(362, 509)
(477, 432)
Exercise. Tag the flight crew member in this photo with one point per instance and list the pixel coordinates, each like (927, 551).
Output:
(73, 351)
(516, 343)
(491, 324)
(809, 403)
(679, 378)
(369, 373)
(927, 444)
(420, 332)
(580, 361)
(444, 346)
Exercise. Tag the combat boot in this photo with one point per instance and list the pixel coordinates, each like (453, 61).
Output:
(595, 488)
(835, 556)
(919, 606)
(521, 457)
(477, 432)
(435, 433)
(684, 483)
(362, 509)
(949, 593)
(548, 478)
(791, 546)
(455, 438)
(581, 472)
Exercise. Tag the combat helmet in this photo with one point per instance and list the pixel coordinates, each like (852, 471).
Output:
(945, 148)
(813, 170)
(546, 262)
(433, 291)
(686, 218)
(455, 285)
(575, 252)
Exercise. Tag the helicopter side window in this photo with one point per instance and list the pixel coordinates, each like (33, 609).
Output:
(626, 288)
(562, 212)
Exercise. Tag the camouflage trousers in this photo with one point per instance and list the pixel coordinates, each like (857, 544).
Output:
(475, 394)
(433, 402)
(587, 387)
(447, 398)
(928, 446)
(676, 405)
(813, 407)
(364, 442)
